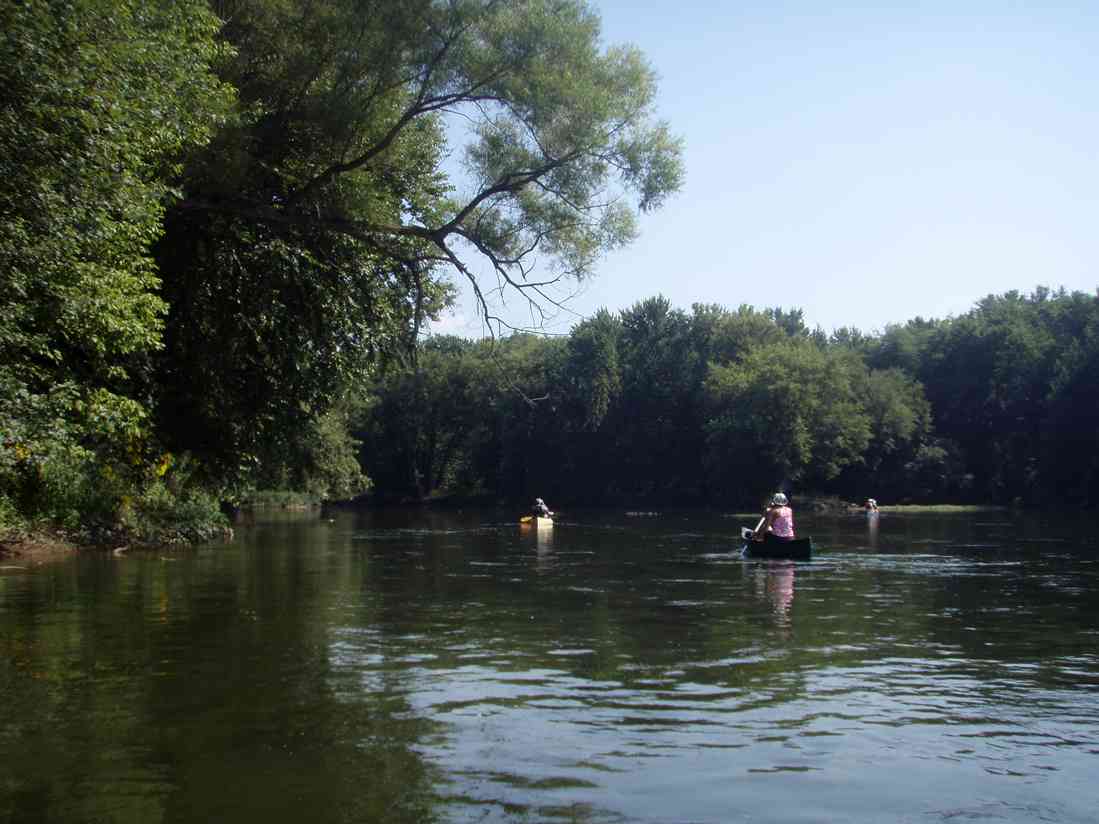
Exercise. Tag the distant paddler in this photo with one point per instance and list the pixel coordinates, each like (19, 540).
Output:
(540, 514)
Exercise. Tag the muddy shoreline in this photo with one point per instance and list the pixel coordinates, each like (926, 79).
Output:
(32, 550)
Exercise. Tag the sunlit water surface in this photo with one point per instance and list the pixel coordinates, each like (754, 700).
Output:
(411, 666)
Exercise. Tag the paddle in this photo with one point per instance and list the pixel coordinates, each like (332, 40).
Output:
(747, 534)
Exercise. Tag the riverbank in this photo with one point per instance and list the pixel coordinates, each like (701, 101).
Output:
(944, 508)
(154, 518)
(33, 549)
(38, 545)
(280, 499)
(831, 503)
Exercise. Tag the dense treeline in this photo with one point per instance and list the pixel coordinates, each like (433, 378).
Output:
(218, 218)
(657, 404)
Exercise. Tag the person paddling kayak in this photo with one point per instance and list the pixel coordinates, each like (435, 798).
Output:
(540, 509)
(777, 522)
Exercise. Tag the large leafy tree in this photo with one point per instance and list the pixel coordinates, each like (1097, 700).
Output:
(98, 98)
(988, 375)
(785, 412)
(1070, 447)
(454, 422)
(419, 430)
(651, 423)
(900, 427)
(319, 229)
(591, 376)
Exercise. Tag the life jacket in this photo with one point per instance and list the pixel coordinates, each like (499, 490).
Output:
(782, 526)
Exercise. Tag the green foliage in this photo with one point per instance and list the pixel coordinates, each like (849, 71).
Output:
(321, 462)
(990, 376)
(220, 241)
(936, 470)
(470, 418)
(900, 346)
(592, 369)
(97, 500)
(210, 232)
(735, 333)
(418, 432)
(1068, 463)
(649, 404)
(784, 413)
(158, 516)
(656, 424)
(724, 405)
(901, 428)
(279, 499)
(68, 454)
(10, 519)
(318, 227)
(98, 98)
(899, 413)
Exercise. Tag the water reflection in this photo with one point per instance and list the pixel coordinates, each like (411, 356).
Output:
(872, 528)
(780, 588)
(544, 536)
(385, 667)
(198, 690)
(541, 536)
(544, 545)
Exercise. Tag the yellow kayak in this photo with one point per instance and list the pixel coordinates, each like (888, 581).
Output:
(536, 520)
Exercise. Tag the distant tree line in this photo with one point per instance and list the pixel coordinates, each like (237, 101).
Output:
(715, 405)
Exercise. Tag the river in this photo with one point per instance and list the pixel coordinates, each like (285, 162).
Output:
(411, 666)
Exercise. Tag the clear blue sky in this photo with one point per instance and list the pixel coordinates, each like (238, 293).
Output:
(866, 163)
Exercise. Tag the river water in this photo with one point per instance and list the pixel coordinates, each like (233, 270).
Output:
(403, 666)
